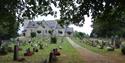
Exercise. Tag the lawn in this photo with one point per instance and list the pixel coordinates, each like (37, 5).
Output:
(68, 53)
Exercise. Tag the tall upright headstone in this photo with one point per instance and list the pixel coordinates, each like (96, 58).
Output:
(15, 55)
(0, 42)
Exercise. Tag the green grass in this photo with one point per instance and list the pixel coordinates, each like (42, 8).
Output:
(68, 53)
(104, 51)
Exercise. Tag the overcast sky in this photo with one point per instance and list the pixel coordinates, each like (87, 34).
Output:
(86, 27)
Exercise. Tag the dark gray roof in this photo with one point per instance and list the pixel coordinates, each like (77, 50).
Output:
(32, 24)
(50, 23)
(58, 26)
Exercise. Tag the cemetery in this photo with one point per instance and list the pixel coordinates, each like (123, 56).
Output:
(62, 31)
(102, 46)
(37, 51)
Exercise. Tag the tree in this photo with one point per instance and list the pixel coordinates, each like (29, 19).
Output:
(81, 35)
(111, 22)
(72, 11)
(8, 26)
(13, 12)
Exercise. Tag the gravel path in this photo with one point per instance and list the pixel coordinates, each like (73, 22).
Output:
(89, 56)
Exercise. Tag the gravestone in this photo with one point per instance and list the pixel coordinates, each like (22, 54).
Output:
(110, 48)
(53, 55)
(15, 56)
(117, 42)
(41, 46)
(0, 42)
(123, 49)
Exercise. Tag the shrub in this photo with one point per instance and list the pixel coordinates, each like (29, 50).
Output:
(3, 51)
(53, 40)
(33, 34)
(10, 49)
(123, 49)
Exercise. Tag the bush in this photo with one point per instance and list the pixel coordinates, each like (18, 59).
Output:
(123, 49)
(53, 40)
(33, 34)
(10, 49)
(3, 51)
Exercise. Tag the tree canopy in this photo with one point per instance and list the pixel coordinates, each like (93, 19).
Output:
(13, 12)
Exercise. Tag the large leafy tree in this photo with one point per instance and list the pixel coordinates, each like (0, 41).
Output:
(111, 22)
(13, 12)
(72, 11)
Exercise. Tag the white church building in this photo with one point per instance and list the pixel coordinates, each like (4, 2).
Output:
(42, 28)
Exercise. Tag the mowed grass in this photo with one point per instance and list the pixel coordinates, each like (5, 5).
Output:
(68, 53)
(110, 54)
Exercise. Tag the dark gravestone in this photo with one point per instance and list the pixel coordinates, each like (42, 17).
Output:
(51, 57)
(41, 46)
(111, 48)
(0, 42)
(117, 43)
(123, 49)
(15, 56)
(112, 40)
(35, 49)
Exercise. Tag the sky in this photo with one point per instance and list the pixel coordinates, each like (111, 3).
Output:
(86, 28)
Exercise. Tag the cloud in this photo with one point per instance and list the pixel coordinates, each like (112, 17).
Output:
(86, 27)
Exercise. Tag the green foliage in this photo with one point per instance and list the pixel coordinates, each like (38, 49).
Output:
(3, 51)
(8, 26)
(33, 34)
(53, 40)
(123, 49)
(81, 35)
(13, 12)
(10, 49)
(111, 22)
